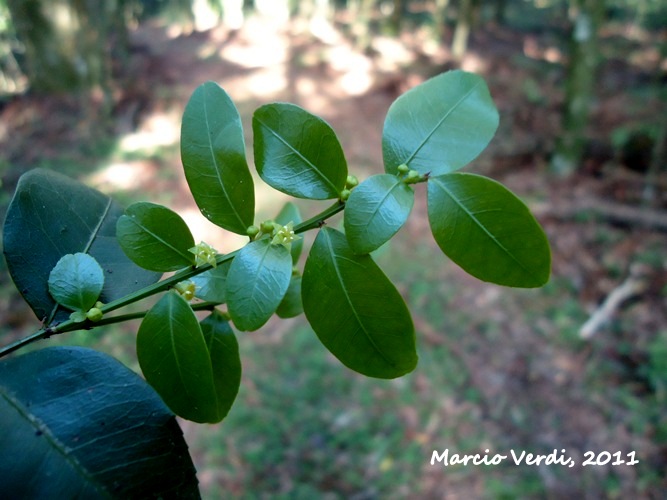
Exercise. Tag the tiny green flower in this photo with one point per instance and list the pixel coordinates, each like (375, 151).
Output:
(94, 314)
(285, 235)
(204, 254)
(186, 289)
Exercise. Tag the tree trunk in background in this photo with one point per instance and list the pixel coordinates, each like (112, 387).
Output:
(440, 18)
(587, 17)
(69, 43)
(499, 12)
(361, 14)
(396, 18)
(464, 22)
(46, 63)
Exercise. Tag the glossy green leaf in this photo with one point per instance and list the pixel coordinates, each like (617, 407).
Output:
(440, 125)
(297, 152)
(211, 285)
(76, 281)
(257, 282)
(291, 213)
(375, 211)
(488, 231)
(52, 215)
(355, 310)
(291, 304)
(225, 360)
(155, 237)
(213, 156)
(76, 423)
(174, 359)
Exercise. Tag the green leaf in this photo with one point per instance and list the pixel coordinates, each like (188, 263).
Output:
(488, 231)
(213, 156)
(355, 310)
(51, 216)
(211, 285)
(76, 423)
(155, 237)
(256, 284)
(290, 213)
(375, 211)
(225, 360)
(291, 304)
(297, 152)
(76, 282)
(440, 125)
(174, 359)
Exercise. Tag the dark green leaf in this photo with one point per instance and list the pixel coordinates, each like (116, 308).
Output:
(174, 359)
(76, 282)
(355, 310)
(488, 231)
(256, 284)
(213, 156)
(224, 352)
(76, 423)
(51, 216)
(291, 304)
(375, 211)
(440, 125)
(211, 285)
(155, 237)
(290, 213)
(298, 153)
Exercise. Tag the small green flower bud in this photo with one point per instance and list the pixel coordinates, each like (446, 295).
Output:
(252, 231)
(403, 168)
(267, 227)
(186, 289)
(94, 314)
(345, 194)
(351, 182)
(412, 177)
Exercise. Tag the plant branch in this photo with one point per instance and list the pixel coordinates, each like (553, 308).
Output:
(161, 286)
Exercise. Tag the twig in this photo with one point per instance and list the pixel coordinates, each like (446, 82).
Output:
(635, 284)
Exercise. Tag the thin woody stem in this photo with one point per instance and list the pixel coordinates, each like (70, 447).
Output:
(155, 288)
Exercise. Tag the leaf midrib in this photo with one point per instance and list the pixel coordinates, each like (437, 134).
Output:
(349, 300)
(440, 122)
(159, 239)
(45, 432)
(464, 209)
(218, 170)
(298, 154)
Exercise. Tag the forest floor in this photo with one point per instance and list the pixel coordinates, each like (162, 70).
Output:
(500, 368)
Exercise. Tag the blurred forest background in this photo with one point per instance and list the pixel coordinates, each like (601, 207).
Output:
(96, 89)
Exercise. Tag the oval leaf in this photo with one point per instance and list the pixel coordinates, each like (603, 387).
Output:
(291, 213)
(90, 428)
(225, 360)
(76, 282)
(440, 125)
(213, 156)
(375, 211)
(155, 237)
(211, 285)
(174, 359)
(355, 310)
(256, 284)
(291, 305)
(488, 231)
(297, 152)
(52, 215)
